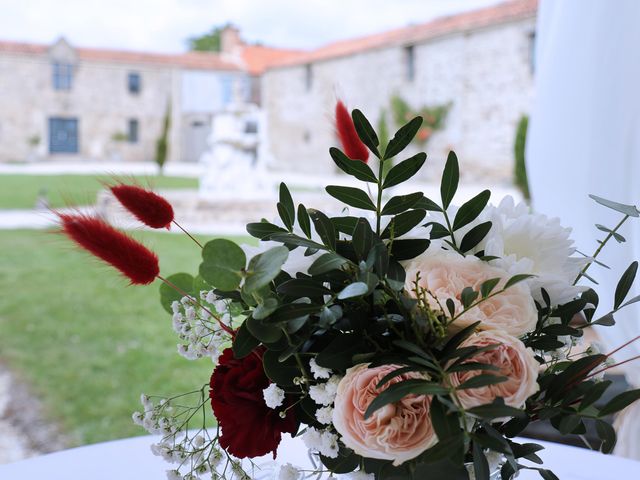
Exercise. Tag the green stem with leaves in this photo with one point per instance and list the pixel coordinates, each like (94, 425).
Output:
(609, 236)
(379, 200)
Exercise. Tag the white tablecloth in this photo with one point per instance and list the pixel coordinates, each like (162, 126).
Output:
(131, 459)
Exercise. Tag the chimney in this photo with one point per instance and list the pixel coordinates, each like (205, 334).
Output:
(230, 41)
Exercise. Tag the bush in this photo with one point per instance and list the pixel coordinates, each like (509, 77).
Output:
(520, 170)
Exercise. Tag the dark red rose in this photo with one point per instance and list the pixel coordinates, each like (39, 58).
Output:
(249, 427)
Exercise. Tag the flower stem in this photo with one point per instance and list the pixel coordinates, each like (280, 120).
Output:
(599, 249)
(379, 200)
(188, 234)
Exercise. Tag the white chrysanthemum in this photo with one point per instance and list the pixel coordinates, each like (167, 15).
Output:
(318, 371)
(273, 396)
(288, 472)
(535, 244)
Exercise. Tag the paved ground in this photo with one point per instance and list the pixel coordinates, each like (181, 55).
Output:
(88, 167)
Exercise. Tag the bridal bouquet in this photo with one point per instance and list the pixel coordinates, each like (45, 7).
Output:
(405, 338)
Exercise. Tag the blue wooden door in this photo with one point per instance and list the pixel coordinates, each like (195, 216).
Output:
(63, 135)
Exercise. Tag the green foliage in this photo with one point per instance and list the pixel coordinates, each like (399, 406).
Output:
(207, 42)
(433, 117)
(520, 170)
(162, 143)
(355, 304)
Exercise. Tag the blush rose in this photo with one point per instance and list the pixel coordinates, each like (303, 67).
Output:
(445, 274)
(515, 361)
(399, 431)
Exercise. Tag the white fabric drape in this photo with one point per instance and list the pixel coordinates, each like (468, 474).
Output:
(584, 138)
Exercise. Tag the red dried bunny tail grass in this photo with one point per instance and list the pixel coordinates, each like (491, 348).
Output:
(147, 206)
(351, 143)
(130, 257)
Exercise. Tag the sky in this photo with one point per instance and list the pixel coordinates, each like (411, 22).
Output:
(164, 25)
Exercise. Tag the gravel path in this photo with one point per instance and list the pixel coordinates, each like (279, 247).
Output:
(13, 443)
(23, 431)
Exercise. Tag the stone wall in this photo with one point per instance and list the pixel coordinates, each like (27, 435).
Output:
(485, 73)
(99, 98)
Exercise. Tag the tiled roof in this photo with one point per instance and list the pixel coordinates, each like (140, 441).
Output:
(190, 60)
(21, 47)
(258, 58)
(503, 12)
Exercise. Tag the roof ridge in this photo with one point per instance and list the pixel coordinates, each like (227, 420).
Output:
(477, 18)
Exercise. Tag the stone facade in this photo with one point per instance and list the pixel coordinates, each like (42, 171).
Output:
(483, 68)
(112, 121)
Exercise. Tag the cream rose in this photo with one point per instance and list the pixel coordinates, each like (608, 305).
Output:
(398, 432)
(514, 360)
(446, 273)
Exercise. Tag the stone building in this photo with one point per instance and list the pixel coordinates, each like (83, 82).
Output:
(63, 102)
(480, 62)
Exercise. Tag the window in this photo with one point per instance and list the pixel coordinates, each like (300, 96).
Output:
(251, 126)
(63, 135)
(226, 90)
(532, 52)
(308, 77)
(410, 62)
(132, 131)
(62, 76)
(134, 83)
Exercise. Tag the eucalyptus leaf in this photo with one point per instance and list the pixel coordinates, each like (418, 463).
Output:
(327, 262)
(222, 264)
(356, 289)
(263, 268)
(168, 295)
(630, 210)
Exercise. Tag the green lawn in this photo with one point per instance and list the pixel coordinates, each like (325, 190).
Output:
(87, 343)
(21, 191)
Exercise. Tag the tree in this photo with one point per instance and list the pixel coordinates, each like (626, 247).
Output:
(162, 143)
(520, 170)
(208, 42)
